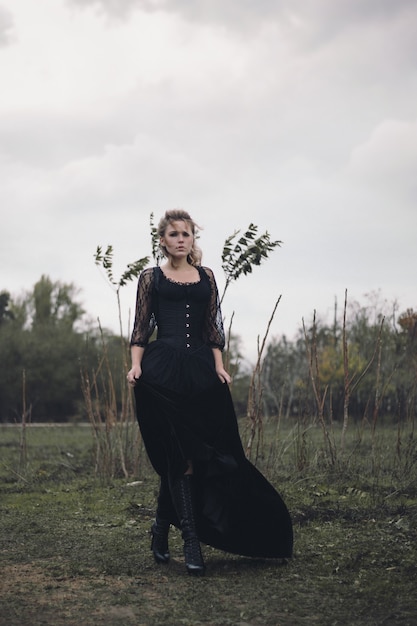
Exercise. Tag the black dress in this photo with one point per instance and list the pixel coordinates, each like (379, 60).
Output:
(185, 412)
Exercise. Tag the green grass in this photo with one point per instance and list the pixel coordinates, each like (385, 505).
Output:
(75, 549)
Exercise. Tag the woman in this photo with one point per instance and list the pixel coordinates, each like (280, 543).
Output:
(185, 412)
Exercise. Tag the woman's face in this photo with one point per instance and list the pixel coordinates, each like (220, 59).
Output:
(178, 239)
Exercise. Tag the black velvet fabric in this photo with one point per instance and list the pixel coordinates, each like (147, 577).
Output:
(186, 413)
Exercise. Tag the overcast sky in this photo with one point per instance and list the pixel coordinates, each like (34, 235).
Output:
(299, 116)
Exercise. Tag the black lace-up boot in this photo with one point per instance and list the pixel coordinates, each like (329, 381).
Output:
(160, 527)
(183, 501)
(159, 543)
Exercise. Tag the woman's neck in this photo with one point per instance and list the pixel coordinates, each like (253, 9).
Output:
(178, 266)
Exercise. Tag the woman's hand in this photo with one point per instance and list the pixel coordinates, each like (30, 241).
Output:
(134, 374)
(223, 375)
(218, 364)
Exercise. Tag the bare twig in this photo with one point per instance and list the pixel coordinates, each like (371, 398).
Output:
(351, 382)
(255, 393)
(25, 415)
(319, 395)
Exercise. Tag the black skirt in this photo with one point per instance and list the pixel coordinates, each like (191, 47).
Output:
(186, 413)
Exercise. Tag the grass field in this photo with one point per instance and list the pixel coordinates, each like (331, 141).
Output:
(75, 549)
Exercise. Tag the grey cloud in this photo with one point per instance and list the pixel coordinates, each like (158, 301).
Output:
(389, 154)
(6, 27)
(50, 141)
(204, 10)
(115, 8)
(312, 21)
(324, 14)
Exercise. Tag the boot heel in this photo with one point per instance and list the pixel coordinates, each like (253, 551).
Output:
(193, 558)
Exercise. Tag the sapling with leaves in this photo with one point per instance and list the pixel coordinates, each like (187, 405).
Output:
(239, 256)
(132, 271)
(156, 248)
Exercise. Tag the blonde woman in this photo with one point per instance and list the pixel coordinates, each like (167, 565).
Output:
(208, 488)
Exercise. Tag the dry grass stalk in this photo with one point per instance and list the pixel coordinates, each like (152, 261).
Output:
(352, 381)
(26, 415)
(115, 432)
(319, 395)
(254, 406)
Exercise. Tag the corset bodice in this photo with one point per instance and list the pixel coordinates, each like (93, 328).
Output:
(181, 312)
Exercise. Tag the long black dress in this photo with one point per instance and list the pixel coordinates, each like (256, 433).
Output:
(185, 412)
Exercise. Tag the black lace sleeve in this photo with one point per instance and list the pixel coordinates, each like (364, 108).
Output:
(144, 315)
(213, 329)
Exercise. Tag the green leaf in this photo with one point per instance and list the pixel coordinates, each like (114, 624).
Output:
(238, 257)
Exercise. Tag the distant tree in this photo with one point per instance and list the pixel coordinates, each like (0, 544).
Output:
(284, 376)
(5, 313)
(40, 338)
(408, 323)
(54, 304)
(405, 379)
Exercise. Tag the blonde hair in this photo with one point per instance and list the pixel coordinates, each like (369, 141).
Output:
(178, 215)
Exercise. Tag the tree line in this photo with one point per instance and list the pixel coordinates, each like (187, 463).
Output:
(45, 343)
(366, 358)
(363, 364)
